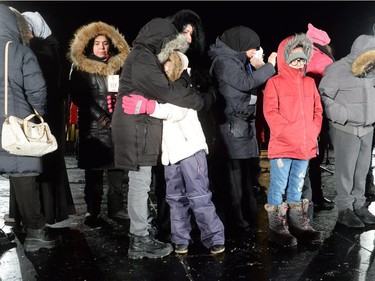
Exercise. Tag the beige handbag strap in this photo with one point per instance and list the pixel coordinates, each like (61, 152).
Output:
(6, 79)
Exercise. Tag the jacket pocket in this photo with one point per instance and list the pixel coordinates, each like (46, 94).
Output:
(240, 129)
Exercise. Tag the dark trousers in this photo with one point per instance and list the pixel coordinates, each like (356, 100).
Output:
(94, 191)
(240, 200)
(26, 191)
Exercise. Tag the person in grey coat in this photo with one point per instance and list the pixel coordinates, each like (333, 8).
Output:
(348, 96)
(27, 91)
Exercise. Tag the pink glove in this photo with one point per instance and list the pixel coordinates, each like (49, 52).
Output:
(137, 104)
(111, 100)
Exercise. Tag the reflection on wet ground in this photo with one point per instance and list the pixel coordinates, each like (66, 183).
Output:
(100, 254)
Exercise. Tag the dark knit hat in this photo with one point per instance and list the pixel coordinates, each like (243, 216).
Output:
(240, 38)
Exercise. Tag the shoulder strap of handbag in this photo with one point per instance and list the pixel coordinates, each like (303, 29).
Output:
(6, 79)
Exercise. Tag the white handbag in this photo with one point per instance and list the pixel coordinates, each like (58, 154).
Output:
(21, 136)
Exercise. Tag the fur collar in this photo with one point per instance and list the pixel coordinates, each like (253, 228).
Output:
(78, 44)
(364, 64)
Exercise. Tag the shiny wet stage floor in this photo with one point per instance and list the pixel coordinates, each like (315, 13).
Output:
(87, 254)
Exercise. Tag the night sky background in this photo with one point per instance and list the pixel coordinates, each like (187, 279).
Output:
(272, 20)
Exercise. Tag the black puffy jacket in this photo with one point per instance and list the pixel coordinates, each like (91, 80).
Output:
(137, 138)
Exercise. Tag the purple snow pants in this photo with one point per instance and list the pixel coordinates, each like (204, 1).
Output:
(188, 189)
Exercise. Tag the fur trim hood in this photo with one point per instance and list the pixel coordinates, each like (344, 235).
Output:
(179, 63)
(362, 55)
(184, 17)
(288, 44)
(161, 38)
(23, 27)
(78, 45)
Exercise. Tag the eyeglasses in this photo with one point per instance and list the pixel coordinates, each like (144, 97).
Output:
(297, 61)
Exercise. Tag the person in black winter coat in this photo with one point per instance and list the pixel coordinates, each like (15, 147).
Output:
(26, 91)
(97, 53)
(190, 25)
(139, 148)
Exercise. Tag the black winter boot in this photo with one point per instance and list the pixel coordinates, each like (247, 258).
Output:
(364, 214)
(279, 230)
(349, 219)
(40, 238)
(146, 246)
(370, 187)
(299, 223)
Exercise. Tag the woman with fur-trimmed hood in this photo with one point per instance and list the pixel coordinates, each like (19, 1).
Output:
(348, 96)
(293, 111)
(97, 53)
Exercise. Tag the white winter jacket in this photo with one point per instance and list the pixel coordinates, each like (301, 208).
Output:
(182, 132)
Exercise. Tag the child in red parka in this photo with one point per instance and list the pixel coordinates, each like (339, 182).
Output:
(293, 111)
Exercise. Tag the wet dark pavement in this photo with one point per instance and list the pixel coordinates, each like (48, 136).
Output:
(101, 254)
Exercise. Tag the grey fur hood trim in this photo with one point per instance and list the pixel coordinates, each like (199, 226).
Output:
(23, 27)
(299, 39)
(178, 44)
(82, 37)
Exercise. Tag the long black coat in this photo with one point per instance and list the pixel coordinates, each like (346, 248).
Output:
(89, 92)
(56, 197)
(26, 89)
(137, 138)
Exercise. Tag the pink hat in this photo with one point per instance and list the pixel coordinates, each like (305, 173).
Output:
(317, 35)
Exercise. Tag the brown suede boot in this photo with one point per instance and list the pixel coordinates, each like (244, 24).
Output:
(279, 230)
(300, 224)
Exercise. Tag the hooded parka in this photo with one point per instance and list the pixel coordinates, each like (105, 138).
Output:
(89, 90)
(348, 96)
(26, 87)
(292, 106)
(347, 89)
(137, 138)
(236, 82)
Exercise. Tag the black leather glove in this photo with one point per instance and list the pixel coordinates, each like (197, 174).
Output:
(185, 79)
(209, 98)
